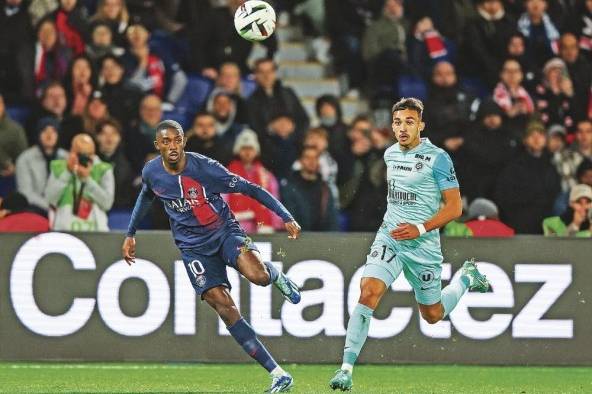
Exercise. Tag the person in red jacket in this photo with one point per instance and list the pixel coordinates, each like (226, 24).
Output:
(484, 220)
(15, 219)
(253, 217)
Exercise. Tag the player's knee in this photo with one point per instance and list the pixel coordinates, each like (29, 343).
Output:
(260, 278)
(369, 297)
(432, 316)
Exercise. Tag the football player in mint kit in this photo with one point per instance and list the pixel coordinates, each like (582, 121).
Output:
(423, 196)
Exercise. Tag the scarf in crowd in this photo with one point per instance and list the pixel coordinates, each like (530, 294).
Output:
(434, 44)
(524, 25)
(505, 99)
(586, 33)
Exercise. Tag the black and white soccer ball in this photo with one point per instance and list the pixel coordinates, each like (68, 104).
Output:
(255, 20)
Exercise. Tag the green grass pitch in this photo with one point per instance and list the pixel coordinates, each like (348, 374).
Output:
(249, 378)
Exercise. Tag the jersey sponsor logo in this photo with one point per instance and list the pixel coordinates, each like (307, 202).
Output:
(233, 181)
(402, 168)
(182, 205)
(400, 197)
(426, 277)
(423, 157)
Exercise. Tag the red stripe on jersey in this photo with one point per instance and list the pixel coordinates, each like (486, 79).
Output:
(203, 212)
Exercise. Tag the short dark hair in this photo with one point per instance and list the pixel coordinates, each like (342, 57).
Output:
(585, 166)
(108, 122)
(169, 124)
(411, 103)
(262, 60)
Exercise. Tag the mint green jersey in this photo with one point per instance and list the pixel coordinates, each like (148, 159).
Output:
(416, 179)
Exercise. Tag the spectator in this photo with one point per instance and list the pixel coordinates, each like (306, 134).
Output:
(580, 71)
(252, 216)
(553, 96)
(101, 43)
(108, 137)
(13, 141)
(346, 21)
(122, 98)
(224, 109)
(308, 197)
(529, 184)
(561, 157)
(79, 83)
(577, 219)
(272, 98)
(53, 103)
(94, 112)
(483, 54)
(383, 47)
(362, 195)
(280, 146)
(427, 47)
(203, 139)
(229, 82)
(483, 221)
(71, 21)
(141, 137)
(583, 28)
(145, 69)
(330, 115)
(512, 97)
(542, 37)
(517, 51)
(583, 175)
(50, 58)
(80, 188)
(487, 147)
(32, 166)
(14, 217)
(115, 14)
(583, 142)
(317, 138)
(16, 32)
(448, 108)
(213, 43)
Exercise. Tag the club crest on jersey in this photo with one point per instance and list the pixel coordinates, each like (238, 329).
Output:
(192, 193)
(418, 166)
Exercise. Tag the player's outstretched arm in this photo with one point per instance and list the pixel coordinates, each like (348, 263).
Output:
(451, 210)
(143, 204)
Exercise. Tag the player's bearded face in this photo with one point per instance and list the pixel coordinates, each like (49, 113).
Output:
(170, 143)
(407, 126)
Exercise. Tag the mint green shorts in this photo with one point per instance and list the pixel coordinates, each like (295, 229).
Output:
(422, 267)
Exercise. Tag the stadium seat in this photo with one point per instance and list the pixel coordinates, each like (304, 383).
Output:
(248, 86)
(412, 86)
(475, 86)
(19, 114)
(195, 95)
(119, 219)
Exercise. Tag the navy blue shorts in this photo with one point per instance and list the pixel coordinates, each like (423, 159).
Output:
(206, 272)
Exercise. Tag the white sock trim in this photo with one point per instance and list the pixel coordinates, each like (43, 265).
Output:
(347, 367)
(277, 371)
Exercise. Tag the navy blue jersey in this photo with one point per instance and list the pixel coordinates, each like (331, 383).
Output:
(199, 217)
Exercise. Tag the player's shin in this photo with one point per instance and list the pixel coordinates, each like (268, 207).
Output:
(244, 334)
(357, 332)
(452, 293)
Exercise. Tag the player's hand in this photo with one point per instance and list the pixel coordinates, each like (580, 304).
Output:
(129, 250)
(293, 229)
(405, 231)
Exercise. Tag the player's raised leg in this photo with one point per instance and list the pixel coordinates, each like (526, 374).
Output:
(372, 290)
(470, 279)
(220, 299)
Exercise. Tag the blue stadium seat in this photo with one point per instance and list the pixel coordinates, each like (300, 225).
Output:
(248, 85)
(475, 86)
(19, 114)
(412, 86)
(119, 219)
(195, 95)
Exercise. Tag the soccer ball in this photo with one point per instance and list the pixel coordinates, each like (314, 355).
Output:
(254, 20)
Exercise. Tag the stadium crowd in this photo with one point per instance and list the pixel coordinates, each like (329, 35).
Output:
(507, 87)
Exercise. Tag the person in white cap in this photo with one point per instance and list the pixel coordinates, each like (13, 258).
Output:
(576, 220)
(252, 216)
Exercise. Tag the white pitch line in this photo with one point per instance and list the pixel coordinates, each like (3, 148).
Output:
(90, 366)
